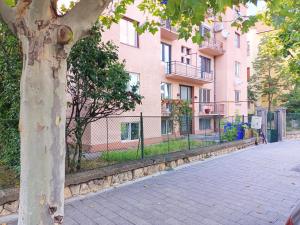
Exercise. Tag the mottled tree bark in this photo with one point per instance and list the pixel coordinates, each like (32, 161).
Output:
(46, 41)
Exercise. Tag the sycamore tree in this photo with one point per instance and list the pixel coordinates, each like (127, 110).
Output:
(98, 86)
(46, 37)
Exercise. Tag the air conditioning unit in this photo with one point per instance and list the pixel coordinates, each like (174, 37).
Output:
(218, 27)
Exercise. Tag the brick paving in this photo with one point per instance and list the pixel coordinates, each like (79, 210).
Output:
(253, 187)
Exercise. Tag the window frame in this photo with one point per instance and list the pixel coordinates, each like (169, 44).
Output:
(169, 89)
(204, 126)
(162, 53)
(237, 69)
(129, 87)
(137, 42)
(168, 126)
(237, 96)
(237, 40)
(129, 131)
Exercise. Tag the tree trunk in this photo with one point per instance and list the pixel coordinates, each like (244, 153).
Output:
(42, 130)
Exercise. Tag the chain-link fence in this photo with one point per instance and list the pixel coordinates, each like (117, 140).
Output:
(119, 139)
(292, 122)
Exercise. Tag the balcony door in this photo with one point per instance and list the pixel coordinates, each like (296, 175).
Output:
(186, 121)
(166, 56)
(205, 66)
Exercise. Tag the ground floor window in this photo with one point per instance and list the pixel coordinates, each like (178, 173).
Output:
(130, 131)
(204, 124)
(166, 126)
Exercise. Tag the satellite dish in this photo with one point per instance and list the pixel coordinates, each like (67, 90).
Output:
(225, 33)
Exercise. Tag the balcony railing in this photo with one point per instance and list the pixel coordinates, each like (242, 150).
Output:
(211, 108)
(167, 31)
(166, 24)
(181, 71)
(212, 46)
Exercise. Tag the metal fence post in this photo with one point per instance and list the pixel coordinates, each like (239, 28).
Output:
(142, 135)
(220, 137)
(188, 131)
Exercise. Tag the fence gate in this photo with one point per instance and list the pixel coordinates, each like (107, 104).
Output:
(272, 126)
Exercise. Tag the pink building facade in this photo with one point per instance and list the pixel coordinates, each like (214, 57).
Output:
(211, 76)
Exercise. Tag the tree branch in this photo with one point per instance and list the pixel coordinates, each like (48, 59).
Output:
(8, 15)
(83, 16)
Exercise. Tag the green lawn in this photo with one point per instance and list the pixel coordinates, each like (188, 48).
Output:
(155, 149)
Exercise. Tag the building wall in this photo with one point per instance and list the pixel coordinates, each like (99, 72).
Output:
(145, 60)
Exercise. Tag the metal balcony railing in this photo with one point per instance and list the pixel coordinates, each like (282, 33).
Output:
(211, 108)
(166, 24)
(212, 43)
(175, 68)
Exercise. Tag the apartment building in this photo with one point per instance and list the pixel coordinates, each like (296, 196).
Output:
(212, 77)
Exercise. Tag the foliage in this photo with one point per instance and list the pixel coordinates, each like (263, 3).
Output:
(98, 86)
(10, 73)
(284, 16)
(292, 99)
(185, 15)
(270, 76)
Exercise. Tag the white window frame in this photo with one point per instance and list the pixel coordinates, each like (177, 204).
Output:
(130, 84)
(127, 25)
(237, 40)
(163, 89)
(129, 138)
(237, 69)
(168, 126)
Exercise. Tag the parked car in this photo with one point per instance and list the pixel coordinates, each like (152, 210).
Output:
(294, 218)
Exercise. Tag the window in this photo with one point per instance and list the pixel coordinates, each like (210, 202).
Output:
(130, 131)
(128, 34)
(204, 124)
(204, 31)
(237, 95)
(182, 59)
(188, 61)
(205, 64)
(166, 126)
(204, 95)
(165, 52)
(248, 48)
(237, 40)
(248, 73)
(188, 51)
(165, 90)
(237, 68)
(134, 82)
(182, 49)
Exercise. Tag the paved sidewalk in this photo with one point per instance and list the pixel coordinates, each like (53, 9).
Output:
(252, 187)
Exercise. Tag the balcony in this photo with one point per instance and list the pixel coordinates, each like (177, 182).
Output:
(211, 108)
(212, 47)
(186, 73)
(167, 31)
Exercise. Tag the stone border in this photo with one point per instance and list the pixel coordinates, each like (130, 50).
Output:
(95, 180)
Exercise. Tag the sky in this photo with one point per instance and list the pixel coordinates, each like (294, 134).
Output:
(252, 9)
